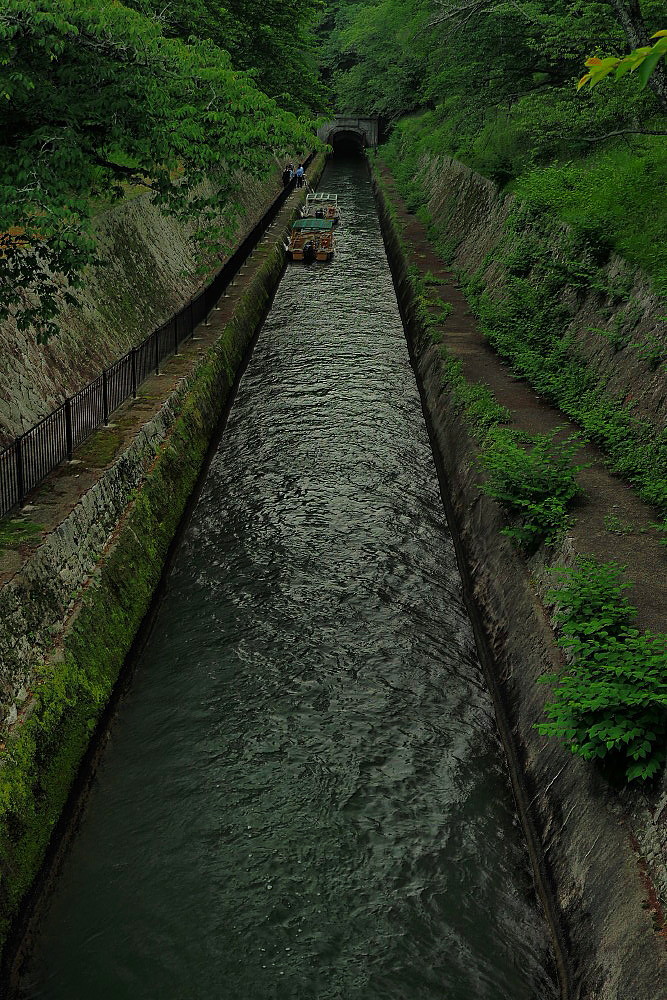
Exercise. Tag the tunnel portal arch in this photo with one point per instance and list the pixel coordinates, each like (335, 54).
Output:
(350, 132)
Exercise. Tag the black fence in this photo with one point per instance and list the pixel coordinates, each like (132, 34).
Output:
(30, 457)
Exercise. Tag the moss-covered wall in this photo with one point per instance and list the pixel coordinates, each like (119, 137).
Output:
(585, 849)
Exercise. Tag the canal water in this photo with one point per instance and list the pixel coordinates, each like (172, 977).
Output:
(304, 796)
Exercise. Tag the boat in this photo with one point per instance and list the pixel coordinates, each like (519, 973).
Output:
(321, 205)
(311, 239)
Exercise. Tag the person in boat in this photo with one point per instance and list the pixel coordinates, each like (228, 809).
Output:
(300, 176)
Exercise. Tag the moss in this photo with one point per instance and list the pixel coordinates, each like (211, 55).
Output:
(16, 531)
(45, 749)
(101, 448)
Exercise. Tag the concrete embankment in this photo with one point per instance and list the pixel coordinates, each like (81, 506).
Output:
(597, 853)
(70, 611)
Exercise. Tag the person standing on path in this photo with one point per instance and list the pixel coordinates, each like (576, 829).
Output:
(300, 176)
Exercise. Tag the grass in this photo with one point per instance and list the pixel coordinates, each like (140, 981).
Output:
(609, 192)
(101, 448)
(16, 531)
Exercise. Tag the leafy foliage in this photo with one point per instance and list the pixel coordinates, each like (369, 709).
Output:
(480, 61)
(494, 86)
(644, 60)
(94, 96)
(534, 478)
(610, 703)
(271, 39)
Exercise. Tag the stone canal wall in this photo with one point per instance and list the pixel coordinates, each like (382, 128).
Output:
(583, 837)
(70, 615)
(149, 269)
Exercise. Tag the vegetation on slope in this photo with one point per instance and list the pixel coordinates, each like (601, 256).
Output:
(495, 84)
(95, 94)
(609, 702)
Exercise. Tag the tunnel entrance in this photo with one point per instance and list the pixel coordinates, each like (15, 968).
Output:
(350, 134)
(347, 143)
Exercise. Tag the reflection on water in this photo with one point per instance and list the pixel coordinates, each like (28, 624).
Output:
(303, 797)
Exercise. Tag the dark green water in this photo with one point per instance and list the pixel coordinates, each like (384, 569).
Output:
(304, 796)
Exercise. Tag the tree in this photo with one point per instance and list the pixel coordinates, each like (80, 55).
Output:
(272, 39)
(94, 96)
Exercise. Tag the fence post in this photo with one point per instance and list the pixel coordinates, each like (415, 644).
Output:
(133, 359)
(157, 355)
(20, 473)
(105, 398)
(69, 438)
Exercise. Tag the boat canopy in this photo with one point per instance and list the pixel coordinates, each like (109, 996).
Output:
(313, 224)
(319, 197)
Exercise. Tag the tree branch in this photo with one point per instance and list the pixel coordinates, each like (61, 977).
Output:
(128, 172)
(609, 135)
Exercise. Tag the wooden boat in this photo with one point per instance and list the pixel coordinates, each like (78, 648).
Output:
(321, 205)
(311, 239)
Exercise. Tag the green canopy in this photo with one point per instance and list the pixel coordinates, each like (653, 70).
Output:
(313, 224)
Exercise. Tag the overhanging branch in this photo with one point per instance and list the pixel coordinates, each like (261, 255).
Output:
(610, 135)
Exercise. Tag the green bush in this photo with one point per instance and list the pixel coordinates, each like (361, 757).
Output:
(534, 478)
(610, 703)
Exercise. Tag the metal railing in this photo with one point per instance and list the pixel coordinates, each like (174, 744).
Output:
(33, 455)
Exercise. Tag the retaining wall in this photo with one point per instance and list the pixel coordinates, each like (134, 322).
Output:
(149, 270)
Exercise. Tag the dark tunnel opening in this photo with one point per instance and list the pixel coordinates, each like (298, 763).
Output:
(347, 143)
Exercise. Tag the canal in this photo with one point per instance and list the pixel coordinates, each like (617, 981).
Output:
(303, 796)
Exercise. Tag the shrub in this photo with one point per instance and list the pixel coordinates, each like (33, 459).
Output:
(534, 478)
(611, 701)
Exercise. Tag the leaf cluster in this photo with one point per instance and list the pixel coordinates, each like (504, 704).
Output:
(643, 60)
(610, 702)
(533, 477)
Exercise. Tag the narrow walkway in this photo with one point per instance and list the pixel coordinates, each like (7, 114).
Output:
(610, 522)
